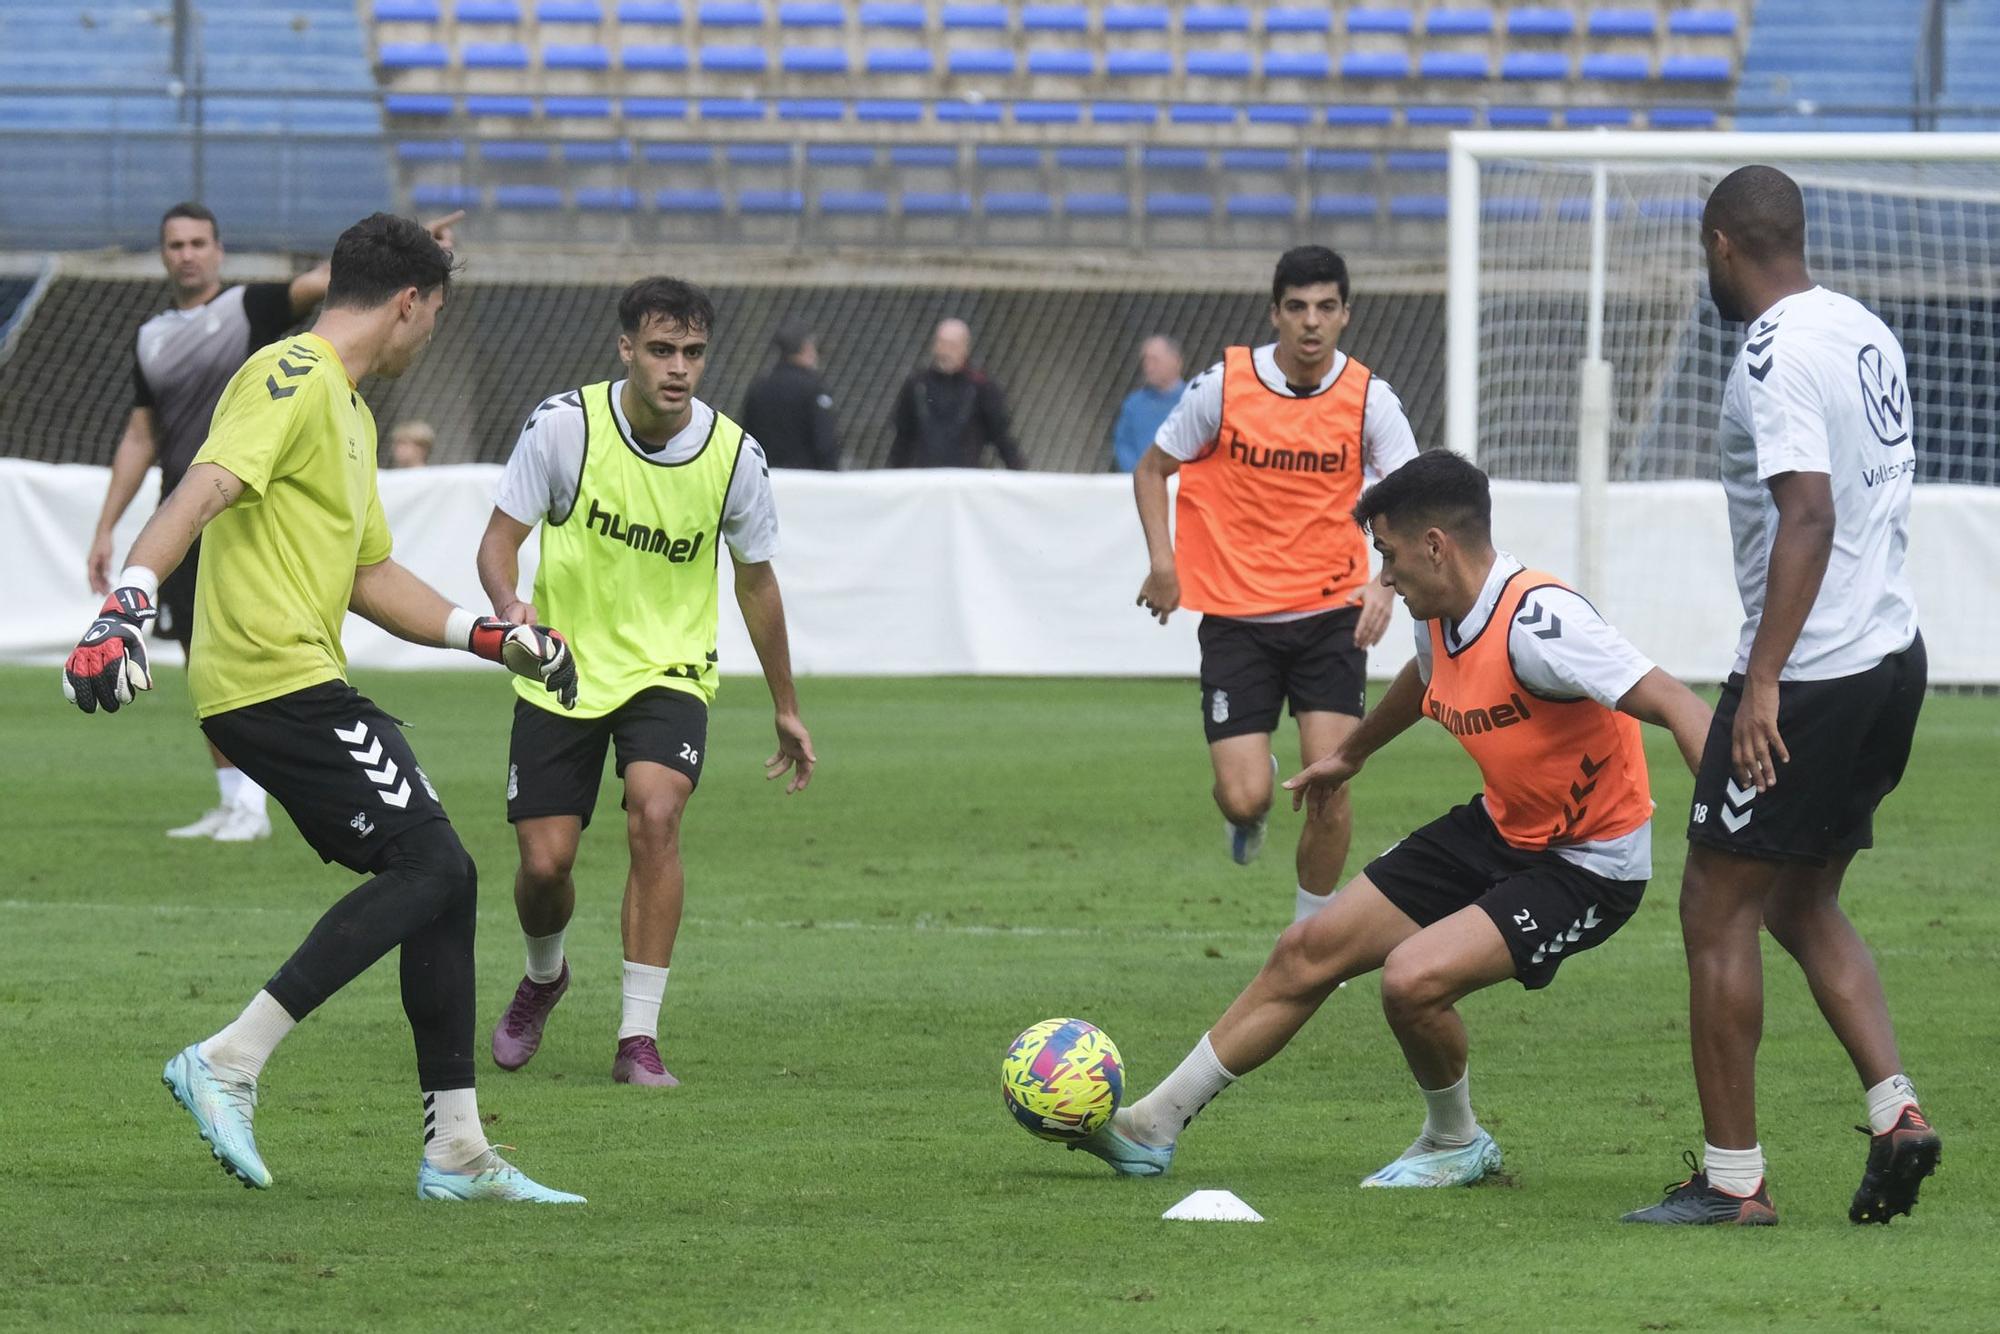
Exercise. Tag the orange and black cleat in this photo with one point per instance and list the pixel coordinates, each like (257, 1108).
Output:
(1898, 1161)
(1695, 1201)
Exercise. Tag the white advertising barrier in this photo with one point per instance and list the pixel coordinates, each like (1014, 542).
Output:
(987, 573)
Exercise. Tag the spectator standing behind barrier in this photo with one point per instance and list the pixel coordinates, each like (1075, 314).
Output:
(948, 412)
(410, 444)
(788, 410)
(1146, 408)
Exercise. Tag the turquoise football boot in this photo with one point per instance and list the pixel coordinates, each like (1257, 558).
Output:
(1460, 1166)
(1127, 1156)
(489, 1178)
(221, 1109)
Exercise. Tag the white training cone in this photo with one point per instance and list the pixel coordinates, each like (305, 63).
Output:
(1213, 1206)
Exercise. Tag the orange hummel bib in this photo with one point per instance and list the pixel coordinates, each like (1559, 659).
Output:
(1556, 771)
(1264, 523)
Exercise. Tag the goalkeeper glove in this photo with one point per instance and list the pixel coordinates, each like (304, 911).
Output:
(533, 651)
(109, 663)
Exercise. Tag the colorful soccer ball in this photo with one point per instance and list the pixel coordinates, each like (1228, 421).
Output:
(1062, 1080)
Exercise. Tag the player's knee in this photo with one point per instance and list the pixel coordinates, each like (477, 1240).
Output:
(1412, 986)
(434, 858)
(1242, 803)
(1304, 960)
(546, 863)
(654, 821)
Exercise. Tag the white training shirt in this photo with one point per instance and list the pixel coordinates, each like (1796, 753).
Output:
(1820, 386)
(1589, 660)
(541, 477)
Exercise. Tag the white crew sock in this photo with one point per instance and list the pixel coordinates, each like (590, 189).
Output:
(453, 1137)
(1160, 1116)
(1736, 1171)
(240, 1050)
(545, 956)
(239, 789)
(1448, 1119)
(1887, 1100)
(645, 987)
(1308, 903)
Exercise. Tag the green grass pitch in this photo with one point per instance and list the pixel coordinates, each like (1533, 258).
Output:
(974, 856)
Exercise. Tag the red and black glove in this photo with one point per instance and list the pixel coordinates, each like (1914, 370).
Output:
(533, 651)
(109, 663)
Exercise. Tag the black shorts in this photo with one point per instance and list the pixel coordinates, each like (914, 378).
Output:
(1547, 908)
(1849, 739)
(555, 763)
(337, 764)
(1249, 669)
(176, 600)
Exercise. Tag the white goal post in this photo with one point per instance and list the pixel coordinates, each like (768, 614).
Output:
(1580, 347)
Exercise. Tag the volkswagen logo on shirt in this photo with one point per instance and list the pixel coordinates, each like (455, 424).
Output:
(1883, 397)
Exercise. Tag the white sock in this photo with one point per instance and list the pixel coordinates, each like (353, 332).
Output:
(545, 956)
(1736, 1171)
(1448, 1119)
(645, 987)
(1887, 1100)
(239, 789)
(241, 1049)
(1308, 903)
(453, 1137)
(1160, 1116)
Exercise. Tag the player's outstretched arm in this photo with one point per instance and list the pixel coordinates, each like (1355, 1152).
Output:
(395, 599)
(1399, 709)
(136, 452)
(763, 608)
(1160, 594)
(1659, 699)
(499, 563)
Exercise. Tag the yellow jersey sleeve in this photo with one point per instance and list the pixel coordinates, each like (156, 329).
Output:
(259, 418)
(375, 540)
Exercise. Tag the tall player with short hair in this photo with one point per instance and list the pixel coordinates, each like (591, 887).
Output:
(1815, 725)
(284, 492)
(1548, 861)
(1273, 445)
(637, 485)
(183, 357)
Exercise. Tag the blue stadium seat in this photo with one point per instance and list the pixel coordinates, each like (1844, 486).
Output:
(1458, 22)
(1279, 113)
(730, 108)
(892, 15)
(1540, 23)
(894, 110)
(678, 154)
(431, 150)
(649, 11)
(811, 14)
(1178, 204)
(935, 203)
(1421, 160)
(577, 108)
(1681, 118)
(967, 113)
(758, 155)
(1453, 65)
(853, 201)
(413, 55)
(407, 11)
(1219, 64)
(443, 197)
(536, 197)
(1379, 20)
(979, 60)
(897, 60)
(1048, 113)
(688, 201)
(488, 11)
(1124, 113)
(1297, 20)
(1137, 64)
(1135, 18)
(989, 17)
(1343, 206)
(732, 59)
(1016, 203)
(1374, 64)
(813, 60)
(840, 155)
(1339, 160)
(1093, 157)
(811, 108)
(1588, 118)
(585, 56)
(1255, 159)
(607, 198)
(417, 104)
(1174, 159)
(1456, 118)
(1520, 118)
(730, 14)
(1215, 18)
(1063, 64)
(1007, 155)
(558, 11)
(1417, 206)
(499, 104)
(1702, 23)
(770, 201)
(1621, 23)
(1297, 65)
(665, 59)
(923, 155)
(1679, 208)
(1201, 113)
(656, 108)
(493, 55)
(1096, 204)
(1510, 208)
(1578, 209)
(1376, 116)
(1263, 204)
(1055, 18)
(1695, 69)
(1534, 65)
(1604, 67)
(597, 152)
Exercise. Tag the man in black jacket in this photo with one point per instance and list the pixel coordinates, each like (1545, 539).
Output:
(788, 410)
(948, 412)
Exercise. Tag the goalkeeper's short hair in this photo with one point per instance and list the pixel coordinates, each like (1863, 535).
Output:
(1437, 489)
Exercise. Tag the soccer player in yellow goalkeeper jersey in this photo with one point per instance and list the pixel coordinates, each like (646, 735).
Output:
(283, 495)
